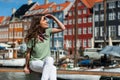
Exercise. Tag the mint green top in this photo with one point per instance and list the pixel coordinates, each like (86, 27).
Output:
(41, 49)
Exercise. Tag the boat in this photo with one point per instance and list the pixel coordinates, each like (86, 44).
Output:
(19, 62)
(93, 53)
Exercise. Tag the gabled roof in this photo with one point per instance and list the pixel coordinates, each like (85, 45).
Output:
(22, 10)
(44, 6)
(62, 6)
(90, 3)
(1, 19)
(37, 8)
(48, 8)
(6, 20)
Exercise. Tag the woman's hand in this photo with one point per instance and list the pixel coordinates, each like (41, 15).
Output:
(27, 70)
(50, 16)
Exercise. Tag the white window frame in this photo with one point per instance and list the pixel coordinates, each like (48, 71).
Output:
(118, 30)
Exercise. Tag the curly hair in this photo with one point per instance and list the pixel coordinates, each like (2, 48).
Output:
(33, 31)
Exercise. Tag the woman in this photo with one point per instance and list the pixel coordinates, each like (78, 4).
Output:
(38, 53)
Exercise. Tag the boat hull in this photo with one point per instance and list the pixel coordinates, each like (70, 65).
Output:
(68, 75)
(13, 62)
(78, 77)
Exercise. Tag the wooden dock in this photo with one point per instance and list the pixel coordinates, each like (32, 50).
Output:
(116, 74)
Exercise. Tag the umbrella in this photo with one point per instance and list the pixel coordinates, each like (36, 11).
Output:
(111, 50)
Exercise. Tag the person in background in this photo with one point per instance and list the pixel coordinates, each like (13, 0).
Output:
(38, 57)
(81, 51)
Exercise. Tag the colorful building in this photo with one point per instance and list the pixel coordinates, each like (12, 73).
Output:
(4, 25)
(58, 10)
(84, 26)
(112, 28)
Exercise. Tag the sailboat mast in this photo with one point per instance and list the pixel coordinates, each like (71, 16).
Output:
(75, 31)
(105, 26)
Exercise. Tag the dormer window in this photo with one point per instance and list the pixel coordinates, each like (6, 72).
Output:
(58, 8)
(40, 10)
(50, 9)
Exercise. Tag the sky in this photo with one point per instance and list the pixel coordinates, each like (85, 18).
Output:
(7, 5)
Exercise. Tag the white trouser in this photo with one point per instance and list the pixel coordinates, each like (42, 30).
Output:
(46, 67)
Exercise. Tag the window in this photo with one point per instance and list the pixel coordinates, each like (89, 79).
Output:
(111, 5)
(35, 11)
(119, 30)
(118, 15)
(55, 35)
(25, 27)
(112, 16)
(84, 43)
(79, 4)
(96, 7)
(60, 16)
(65, 32)
(101, 31)
(73, 21)
(84, 11)
(96, 18)
(40, 10)
(78, 43)
(58, 8)
(89, 43)
(89, 19)
(70, 42)
(101, 7)
(70, 21)
(79, 31)
(60, 34)
(118, 3)
(84, 20)
(112, 31)
(89, 30)
(73, 31)
(79, 20)
(50, 9)
(101, 17)
(70, 13)
(79, 12)
(70, 32)
(65, 22)
(96, 31)
(84, 30)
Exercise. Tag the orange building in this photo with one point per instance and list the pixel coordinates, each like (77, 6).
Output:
(4, 24)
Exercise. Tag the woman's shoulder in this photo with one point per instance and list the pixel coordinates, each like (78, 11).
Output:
(49, 30)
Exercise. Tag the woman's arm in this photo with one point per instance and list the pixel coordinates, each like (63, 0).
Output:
(26, 68)
(60, 24)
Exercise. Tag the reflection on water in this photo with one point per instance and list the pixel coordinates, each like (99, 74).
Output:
(33, 76)
(12, 76)
(19, 76)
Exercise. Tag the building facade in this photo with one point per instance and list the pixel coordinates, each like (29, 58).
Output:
(58, 10)
(84, 27)
(112, 28)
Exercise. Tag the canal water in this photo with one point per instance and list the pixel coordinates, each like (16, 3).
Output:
(23, 76)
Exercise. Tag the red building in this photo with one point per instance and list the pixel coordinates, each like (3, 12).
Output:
(84, 25)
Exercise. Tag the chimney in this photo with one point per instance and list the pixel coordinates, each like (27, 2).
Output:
(46, 2)
(13, 10)
(29, 2)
